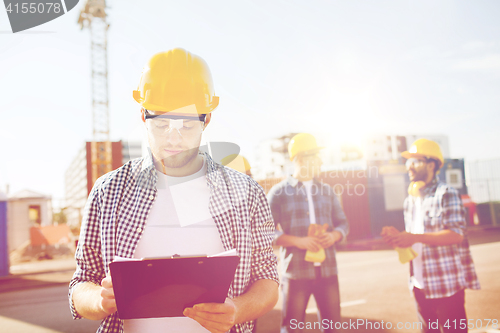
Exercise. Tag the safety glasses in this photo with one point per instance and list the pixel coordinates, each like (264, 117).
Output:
(184, 124)
(415, 162)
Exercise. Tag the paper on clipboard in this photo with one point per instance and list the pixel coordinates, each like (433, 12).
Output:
(164, 287)
(225, 253)
(231, 252)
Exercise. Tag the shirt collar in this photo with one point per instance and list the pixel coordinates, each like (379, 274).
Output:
(431, 187)
(294, 181)
(214, 177)
(147, 163)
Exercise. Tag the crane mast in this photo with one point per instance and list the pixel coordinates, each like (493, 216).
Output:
(93, 16)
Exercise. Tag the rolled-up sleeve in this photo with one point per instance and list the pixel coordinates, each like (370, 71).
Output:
(274, 204)
(264, 261)
(453, 212)
(89, 263)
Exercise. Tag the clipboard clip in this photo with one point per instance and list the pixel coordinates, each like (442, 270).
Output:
(189, 256)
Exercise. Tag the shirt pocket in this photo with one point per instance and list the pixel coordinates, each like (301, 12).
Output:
(433, 220)
(324, 211)
(296, 213)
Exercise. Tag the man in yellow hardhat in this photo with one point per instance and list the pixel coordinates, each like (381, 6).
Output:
(176, 200)
(311, 221)
(435, 229)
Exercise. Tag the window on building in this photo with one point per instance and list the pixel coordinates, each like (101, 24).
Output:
(454, 178)
(34, 214)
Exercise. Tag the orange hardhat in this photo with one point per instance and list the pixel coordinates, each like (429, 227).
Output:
(302, 143)
(425, 148)
(175, 79)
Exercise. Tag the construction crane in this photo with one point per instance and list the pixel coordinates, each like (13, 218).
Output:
(93, 16)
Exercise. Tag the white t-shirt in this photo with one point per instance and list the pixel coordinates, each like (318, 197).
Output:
(179, 223)
(312, 216)
(417, 227)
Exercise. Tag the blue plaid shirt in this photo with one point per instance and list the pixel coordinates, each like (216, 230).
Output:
(290, 210)
(446, 269)
(116, 213)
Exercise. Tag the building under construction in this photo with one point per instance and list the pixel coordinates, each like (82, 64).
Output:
(78, 179)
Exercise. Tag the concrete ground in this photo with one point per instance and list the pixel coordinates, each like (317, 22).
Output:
(372, 281)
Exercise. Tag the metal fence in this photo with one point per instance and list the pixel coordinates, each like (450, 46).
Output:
(483, 184)
(483, 180)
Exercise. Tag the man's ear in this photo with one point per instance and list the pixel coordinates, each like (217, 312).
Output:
(434, 166)
(143, 115)
(208, 117)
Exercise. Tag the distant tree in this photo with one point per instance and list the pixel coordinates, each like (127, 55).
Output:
(60, 217)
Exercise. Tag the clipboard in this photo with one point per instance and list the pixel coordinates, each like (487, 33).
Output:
(164, 287)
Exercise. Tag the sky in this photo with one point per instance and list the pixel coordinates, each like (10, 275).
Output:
(341, 69)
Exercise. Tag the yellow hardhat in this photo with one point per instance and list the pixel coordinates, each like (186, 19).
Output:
(237, 162)
(425, 148)
(301, 143)
(176, 79)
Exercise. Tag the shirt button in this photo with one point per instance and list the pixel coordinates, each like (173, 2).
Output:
(307, 213)
(139, 230)
(151, 197)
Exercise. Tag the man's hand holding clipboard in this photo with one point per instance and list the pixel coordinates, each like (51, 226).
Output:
(192, 286)
(215, 317)
(108, 302)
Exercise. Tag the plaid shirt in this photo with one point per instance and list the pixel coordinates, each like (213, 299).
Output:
(117, 210)
(446, 269)
(290, 210)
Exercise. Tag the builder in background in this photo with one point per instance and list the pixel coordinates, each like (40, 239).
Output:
(311, 221)
(435, 229)
(238, 163)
